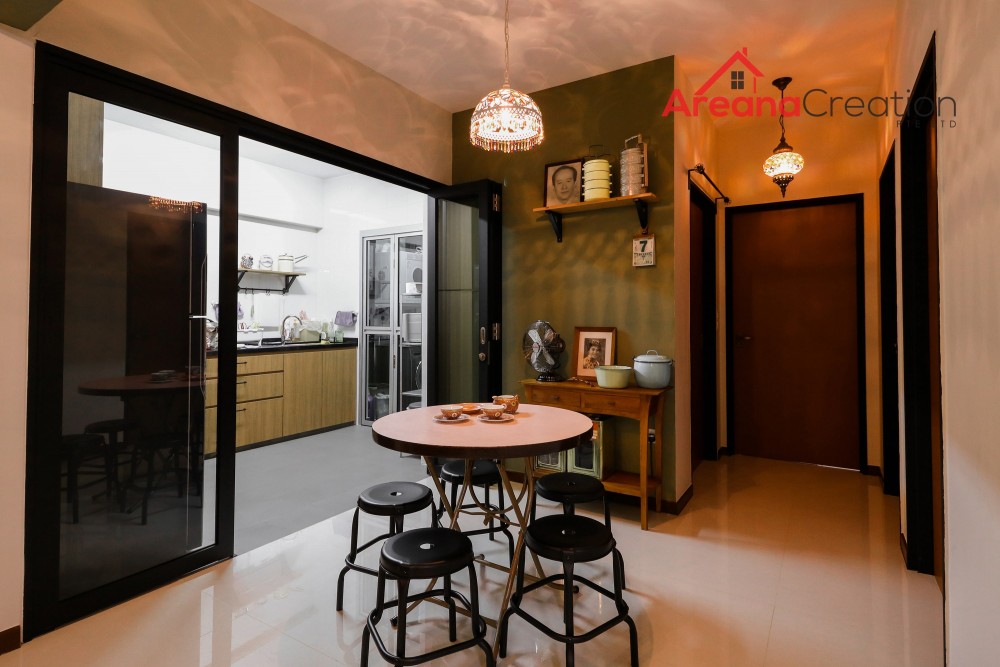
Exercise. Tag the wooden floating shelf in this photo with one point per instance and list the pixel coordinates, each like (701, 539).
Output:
(289, 277)
(556, 213)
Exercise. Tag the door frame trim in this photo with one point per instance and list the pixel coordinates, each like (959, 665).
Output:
(710, 449)
(859, 222)
(889, 352)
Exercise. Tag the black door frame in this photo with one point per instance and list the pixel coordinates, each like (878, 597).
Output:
(858, 201)
(487, 197)
(889, 342)
(59, 72)
(708, 364)
(919, 266)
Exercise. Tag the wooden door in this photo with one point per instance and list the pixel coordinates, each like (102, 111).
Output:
(796, 328)
(704, 425)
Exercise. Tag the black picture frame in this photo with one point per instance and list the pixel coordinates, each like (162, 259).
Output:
(552, 193)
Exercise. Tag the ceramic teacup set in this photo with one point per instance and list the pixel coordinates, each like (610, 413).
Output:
(498, 410)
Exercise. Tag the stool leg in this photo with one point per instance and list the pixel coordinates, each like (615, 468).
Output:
(403, 586)
(568, 609)
(373, 617)
(351, 556)
(478, 624)
(452, 634)
(487, 489)
(619, 566)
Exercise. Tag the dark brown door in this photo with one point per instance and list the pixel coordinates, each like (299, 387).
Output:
(795, 350)
(704, 438)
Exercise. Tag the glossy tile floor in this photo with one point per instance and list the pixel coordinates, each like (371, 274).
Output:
(770, 564)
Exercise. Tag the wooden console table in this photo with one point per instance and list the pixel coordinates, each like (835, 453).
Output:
(644, 405)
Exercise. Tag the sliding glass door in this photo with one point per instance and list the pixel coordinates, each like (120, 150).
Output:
(121, 496)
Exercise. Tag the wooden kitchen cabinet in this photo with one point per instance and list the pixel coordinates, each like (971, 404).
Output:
(340, 373)
(259, 391)
(320, 389)
(303, 398)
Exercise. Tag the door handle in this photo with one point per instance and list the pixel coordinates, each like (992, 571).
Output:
(741, 337)
(482, 356)
(482, 335)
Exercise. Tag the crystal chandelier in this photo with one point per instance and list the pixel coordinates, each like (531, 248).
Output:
(784, 163)
(506, 120)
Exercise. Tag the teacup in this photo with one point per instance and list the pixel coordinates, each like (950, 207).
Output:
(493, 410)
(509, 401)
(451, 411)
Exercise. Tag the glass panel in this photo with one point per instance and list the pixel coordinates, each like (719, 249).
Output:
(137, 490)
(378, 363)
(458, 302)
(378, 259)
(410, 264)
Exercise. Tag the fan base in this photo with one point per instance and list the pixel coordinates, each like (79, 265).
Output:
(549, 377)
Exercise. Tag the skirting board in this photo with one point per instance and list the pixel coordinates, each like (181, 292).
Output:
(10, 639)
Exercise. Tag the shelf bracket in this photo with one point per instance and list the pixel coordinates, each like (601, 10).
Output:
(288, 283)
(642, 210)
(556, 220)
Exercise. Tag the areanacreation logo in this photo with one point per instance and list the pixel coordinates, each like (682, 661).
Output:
(815, 102)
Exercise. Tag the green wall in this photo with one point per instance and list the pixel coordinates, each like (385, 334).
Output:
(588, 279)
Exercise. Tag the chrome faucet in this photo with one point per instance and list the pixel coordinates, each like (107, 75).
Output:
(288, 317)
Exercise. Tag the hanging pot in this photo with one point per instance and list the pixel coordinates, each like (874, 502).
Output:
(652, 370)
(286, 263)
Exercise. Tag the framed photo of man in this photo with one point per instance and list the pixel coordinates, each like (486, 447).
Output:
(562, 182)
(593, 347)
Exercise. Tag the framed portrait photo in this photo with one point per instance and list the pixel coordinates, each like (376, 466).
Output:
(563, 182)
(593, 347)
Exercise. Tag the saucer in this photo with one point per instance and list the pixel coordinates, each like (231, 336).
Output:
(503, 419)
(441, 419)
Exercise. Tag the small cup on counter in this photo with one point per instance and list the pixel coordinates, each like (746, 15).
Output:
(451, 411)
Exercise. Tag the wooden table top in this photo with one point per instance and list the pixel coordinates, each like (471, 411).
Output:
(534, 430)
(135, 384)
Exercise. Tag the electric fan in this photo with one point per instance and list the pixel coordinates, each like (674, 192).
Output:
(542, 347)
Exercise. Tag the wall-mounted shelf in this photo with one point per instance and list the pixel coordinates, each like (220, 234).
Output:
(556, 213)
(289, 279)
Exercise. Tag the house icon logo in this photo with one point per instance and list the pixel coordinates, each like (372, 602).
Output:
(737, 66)
(741, 75)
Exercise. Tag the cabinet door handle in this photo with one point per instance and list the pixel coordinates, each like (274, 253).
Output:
(241, 409)
(611, 404)
(241, 382)
(241, 363)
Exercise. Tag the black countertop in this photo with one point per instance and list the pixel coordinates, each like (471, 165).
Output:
(291, 347)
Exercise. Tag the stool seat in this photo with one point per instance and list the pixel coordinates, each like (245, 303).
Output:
(395, 498)
(569, 537)
(426, 553)
(569, 487)
(483, 472)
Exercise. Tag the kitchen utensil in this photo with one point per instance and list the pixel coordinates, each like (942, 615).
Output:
(653, 370)
(634, 171)
(613, 377)
(246, 262)
(265, 263)
(286, 262)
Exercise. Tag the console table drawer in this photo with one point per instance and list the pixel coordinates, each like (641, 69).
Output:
(607, 404)
(556, 397)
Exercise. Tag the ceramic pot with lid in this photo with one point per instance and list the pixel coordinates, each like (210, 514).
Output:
(653, 370)
(286, 263)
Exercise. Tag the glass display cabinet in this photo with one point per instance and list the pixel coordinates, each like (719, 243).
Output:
(392, 377)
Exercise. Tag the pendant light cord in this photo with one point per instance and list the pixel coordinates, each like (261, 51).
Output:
(506, 44)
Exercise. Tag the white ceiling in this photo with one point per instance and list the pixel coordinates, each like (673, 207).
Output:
(451, 51)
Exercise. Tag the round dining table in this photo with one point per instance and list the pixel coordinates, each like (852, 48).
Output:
(534, 430)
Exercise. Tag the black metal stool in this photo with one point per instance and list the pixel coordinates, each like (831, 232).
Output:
(571, 539)
(110, 428)
(570, 489)
(77, 449)
(425, 553)
(394, 500)
(485, 474)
